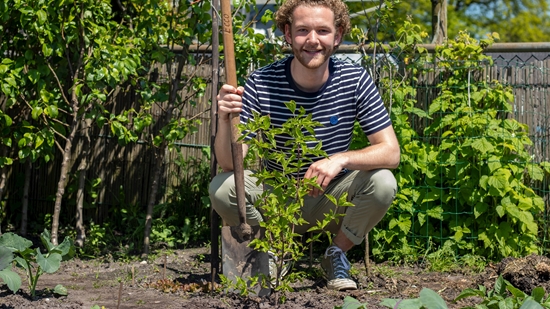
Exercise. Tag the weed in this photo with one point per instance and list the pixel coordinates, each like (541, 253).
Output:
(97, 284)
(385, 271)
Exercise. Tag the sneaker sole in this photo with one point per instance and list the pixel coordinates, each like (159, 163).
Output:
(341, 284)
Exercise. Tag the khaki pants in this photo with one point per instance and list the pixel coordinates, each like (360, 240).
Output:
(372, 193)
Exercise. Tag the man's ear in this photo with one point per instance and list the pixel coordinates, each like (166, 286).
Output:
(338, 38)
(288, 35)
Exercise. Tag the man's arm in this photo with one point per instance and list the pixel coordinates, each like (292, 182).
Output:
(383, 152)
(229, 101)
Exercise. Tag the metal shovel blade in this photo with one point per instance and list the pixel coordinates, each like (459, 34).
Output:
(239, 260)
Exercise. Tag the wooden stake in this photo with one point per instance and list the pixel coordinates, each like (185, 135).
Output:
(164, 271)
(367, 256)
(311, 250)
(133, 276)
(119, 295)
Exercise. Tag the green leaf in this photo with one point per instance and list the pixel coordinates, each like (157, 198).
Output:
(6, 257)
(7, 120)
(538, 294)
(516, 292)
(33, 76)
(530, 304)
(482, 145)
(11, 278)
(14, 242)
(66, 248)
(431, 299)
(414, 303)
(500, 286)
(49, 264)
(36, 112)
(351, 303)
(436, 212)
(60, 290)
(42, 17)
(46, 240)
(535, 172)
(52, 111)
(469, 293)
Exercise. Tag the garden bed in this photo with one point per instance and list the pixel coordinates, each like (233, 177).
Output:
(186, 275)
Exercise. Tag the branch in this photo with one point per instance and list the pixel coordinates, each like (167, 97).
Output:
(58, 83)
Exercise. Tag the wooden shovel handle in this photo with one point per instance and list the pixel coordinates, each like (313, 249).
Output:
(231, 78)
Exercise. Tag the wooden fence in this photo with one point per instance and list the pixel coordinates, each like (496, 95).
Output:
(125, 171)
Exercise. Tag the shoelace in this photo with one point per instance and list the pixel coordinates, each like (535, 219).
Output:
(340, 263)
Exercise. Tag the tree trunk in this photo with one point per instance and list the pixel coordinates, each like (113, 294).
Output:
(25, 202)
(82, 170)
(63, 177)
(79, 225)
(439, 21)
(157, 169)
(161, 153)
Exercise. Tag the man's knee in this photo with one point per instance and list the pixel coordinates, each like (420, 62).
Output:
(219, 190)
(386, 184)
(382, 186)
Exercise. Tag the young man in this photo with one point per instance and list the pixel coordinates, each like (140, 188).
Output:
(336, 93)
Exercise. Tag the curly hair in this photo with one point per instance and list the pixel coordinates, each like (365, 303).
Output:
(283, 16)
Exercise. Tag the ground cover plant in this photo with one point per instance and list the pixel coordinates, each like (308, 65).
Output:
(181, 279)
(16, 249)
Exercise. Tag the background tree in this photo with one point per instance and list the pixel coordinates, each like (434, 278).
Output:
(514, 20)
(67, 57)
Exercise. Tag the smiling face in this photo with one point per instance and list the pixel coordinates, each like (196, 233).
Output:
(312, 35)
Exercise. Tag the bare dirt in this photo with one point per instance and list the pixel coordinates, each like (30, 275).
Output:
(181, 280)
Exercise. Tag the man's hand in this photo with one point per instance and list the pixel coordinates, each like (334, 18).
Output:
(325, 170)
(229, 101)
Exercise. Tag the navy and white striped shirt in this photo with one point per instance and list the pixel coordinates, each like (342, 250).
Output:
(348, 95)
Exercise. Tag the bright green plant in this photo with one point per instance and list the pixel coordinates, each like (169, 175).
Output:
(465, 165)
(351, 303)
(14, 248)
(281, 204)
(505, 296)
(428, 299)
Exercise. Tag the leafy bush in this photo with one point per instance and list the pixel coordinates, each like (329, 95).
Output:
(465, 166)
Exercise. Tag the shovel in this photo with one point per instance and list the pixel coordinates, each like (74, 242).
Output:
(238, 259)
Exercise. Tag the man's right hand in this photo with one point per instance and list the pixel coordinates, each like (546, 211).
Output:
(229, 101)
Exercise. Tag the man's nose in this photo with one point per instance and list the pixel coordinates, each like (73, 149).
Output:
(312, 37)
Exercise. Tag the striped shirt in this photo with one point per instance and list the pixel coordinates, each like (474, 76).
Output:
(348, 95)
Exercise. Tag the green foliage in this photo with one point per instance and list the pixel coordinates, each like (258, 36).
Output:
(516, 20)
(251, 48)
(96, 239)
(462, 154)
(428, 300)
(444, 259)
(281, 204)
(351, 303)
(505, 295)
(14, 248)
